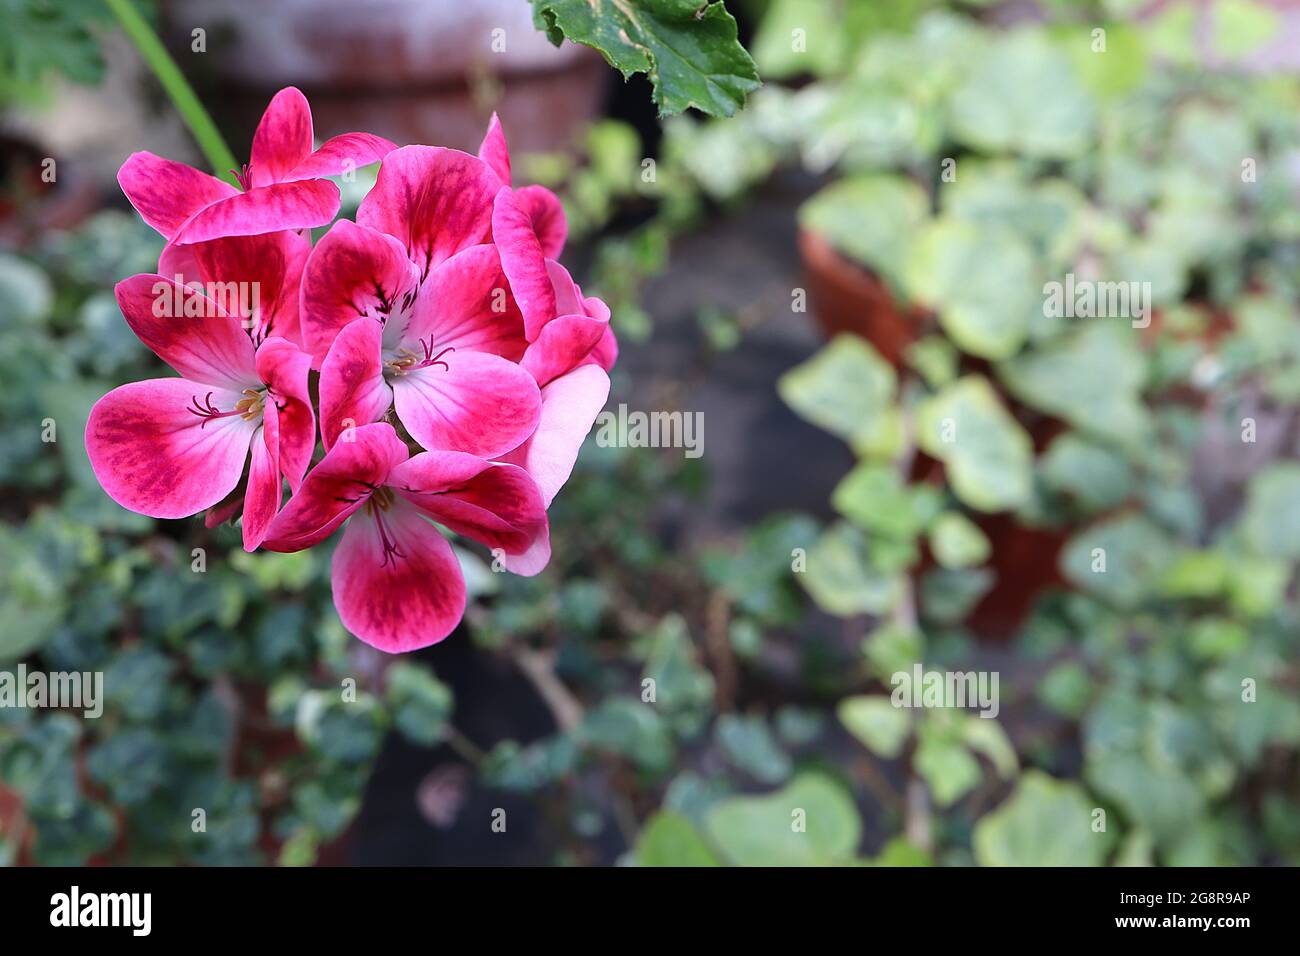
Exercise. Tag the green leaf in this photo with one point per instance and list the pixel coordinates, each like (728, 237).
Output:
(421, 703)
(840, 577)
(1023, 97)
(899, 852)
(750, 746)
(1046, 822)
(989, 457)
(875, 498)
(1086, 472)
(1091, 378)
(870, 219)
(985, 735)
(957, 542)
(689, 49)
(846, 388)
(982, 281)
(1271, 521)
(632, 729)
(948, 767)
(882, 727)
(669, 839)
(1121, 559)
(811, 822)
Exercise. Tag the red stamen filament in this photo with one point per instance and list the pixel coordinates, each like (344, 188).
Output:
(377, 505)
(410, 362)
(247, 408)
(245, 176)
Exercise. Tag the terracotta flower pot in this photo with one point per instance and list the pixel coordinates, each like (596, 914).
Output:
(415, 71)
(846, 297)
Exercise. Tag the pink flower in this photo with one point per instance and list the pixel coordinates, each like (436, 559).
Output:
(396, 581)
(409, 308)
(282, 183)
(171, 447)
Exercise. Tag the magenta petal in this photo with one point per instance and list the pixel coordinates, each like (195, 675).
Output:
(300, 205)
(284, 368)
(397, 583)
(156, 457)
(352, 387)
(494, 152)
(466, 304)
(262, 499)
(605, 354)
(342, 154)
(167, 193)
(534, 558)
(352, 272)
(178, 262)
(340, 484)
(188, 331)
(547, 215)
(523, 263)
(496, 505)
(570, 405)
(283, 138)
(563, 345)
(256, 278)
(481, 404)
(435, 201)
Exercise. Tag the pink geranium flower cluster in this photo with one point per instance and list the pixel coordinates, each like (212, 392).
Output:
(456, 366)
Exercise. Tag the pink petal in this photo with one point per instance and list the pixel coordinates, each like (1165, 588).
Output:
(178, 262)
(342, 154)
(466, 304)
(299, 205)
(547, 214)
(494, 151)
(497, 505)
(435, 201)
(283, 138)
(397, 583)
(262, 499)
(605, 354)
(523, 262)
(188, 331)
(166, 193)
(353, 271)
(256, 278)
(563, 345)
(340, 484)
(570, 405)
(481, 404)
(532, 560)
(156, 457)
(284, 368)
(352, 387)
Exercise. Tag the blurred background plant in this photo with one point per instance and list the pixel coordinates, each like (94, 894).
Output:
(712, 649)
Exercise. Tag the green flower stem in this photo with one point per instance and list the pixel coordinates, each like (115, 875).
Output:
(178, 88)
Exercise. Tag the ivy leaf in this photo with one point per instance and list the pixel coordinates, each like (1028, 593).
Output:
(988, 455)
(689, 50)
(846, 388)
(882, 727)
(811, 822)
(669, 839)
(1045, 823)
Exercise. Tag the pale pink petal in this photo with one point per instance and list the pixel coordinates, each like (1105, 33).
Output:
(563, 345)
(547, 215)
(352, 272)
(494, 152)
(466, 304)
(352, 387)
(435, 201)
(340, 484)
(342, 154)
(397, 583)
(262, 499)
(283, 138)
(167, 193)
(285, 368)
(188, 331)
(256, 278)
(155, 456)
(523, 263)
(299, 205)
(532, 560)
(496, 505)
(570, 405)
(481, 404)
